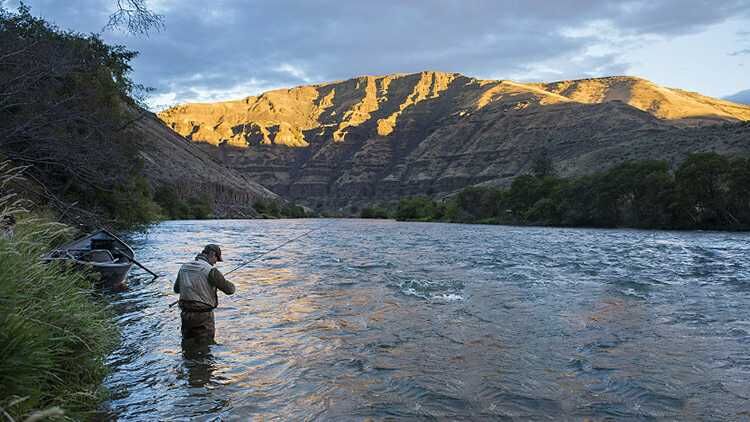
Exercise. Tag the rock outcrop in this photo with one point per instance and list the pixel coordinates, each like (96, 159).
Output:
(372, 139)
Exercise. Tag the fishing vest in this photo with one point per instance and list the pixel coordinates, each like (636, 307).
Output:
(194, 285)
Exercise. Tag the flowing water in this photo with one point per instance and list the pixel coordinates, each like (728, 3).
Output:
(385, 320)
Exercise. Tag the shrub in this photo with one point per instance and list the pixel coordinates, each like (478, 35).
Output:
(267, 208)
(293, 211)
(374, 212)
(176, 208)
(706, 191)
(68, 98)
(54, 331)
(418, 208)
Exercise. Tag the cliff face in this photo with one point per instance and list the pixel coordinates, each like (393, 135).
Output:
(379, 138)
(171, 160)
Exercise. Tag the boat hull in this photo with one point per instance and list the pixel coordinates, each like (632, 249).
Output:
(109, 275)
(101, 253)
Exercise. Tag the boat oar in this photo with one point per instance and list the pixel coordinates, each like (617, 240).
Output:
(138, 264)
(142, 266)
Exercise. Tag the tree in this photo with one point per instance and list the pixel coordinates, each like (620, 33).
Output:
(66, 100)
(526, 190)
(701, 182)
(738, 201)
(135, 17)
(418, 208)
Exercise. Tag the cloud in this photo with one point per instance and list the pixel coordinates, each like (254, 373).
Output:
(740, 52)
(204, 93)
(293, 71)
(239, 47)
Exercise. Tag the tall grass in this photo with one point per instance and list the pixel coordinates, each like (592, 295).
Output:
(54, 331)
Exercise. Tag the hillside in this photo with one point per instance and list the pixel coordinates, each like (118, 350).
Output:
(70, 117)
(171, 160)
(378, 138)
(675, 105)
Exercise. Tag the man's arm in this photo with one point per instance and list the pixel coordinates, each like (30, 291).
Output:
(216, 278)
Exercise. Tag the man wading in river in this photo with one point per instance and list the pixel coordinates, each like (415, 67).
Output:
(197, 283)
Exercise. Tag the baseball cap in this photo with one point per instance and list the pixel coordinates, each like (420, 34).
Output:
(211, 247)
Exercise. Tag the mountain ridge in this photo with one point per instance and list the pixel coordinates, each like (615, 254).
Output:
(742, 97)
(375, 138)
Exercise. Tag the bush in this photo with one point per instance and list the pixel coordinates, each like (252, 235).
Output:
(54, 332)
(293, 211)
(706, 191)
(67, 98)
(477, 203)
(171, 204)
(132, 204)
(374, 212)
(702, 183)
(418, 208)
(269, 208)
(176, 208)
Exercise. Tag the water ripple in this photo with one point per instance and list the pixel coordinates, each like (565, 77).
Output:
(384, 320)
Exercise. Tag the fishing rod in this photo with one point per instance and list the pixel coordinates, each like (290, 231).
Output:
(269, 251)
(264, 253)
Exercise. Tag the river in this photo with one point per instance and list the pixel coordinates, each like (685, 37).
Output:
(426, 321)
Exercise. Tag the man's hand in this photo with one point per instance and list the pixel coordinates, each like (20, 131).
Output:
(216, 278)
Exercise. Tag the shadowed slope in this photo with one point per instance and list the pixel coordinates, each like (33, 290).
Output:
(171, 160)
(742, 97)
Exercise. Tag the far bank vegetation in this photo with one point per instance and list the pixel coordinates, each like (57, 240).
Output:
(707, 191)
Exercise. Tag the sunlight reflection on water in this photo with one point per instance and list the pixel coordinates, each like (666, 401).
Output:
(407, 320)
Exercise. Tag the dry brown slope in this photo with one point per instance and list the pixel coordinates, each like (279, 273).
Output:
(676, 105)
(282, 117)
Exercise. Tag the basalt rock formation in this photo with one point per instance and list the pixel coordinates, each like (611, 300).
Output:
(371, 139)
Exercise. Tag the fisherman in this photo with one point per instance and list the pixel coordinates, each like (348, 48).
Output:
(197, 282)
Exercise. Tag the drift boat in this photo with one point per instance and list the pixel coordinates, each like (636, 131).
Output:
(101, 252)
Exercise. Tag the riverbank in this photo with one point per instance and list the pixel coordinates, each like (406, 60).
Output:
(706, 192)
(55, 329)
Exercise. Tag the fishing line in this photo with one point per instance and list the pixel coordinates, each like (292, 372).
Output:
(235, 297)
(269, 251)
(261, 255)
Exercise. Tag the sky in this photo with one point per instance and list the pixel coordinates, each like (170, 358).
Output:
(213, 50)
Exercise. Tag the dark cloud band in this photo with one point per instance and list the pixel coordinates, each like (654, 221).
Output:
(211, 50)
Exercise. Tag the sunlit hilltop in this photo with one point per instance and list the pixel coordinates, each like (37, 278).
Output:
(282, 116)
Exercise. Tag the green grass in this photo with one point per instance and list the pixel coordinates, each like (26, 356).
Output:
(54, 330)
